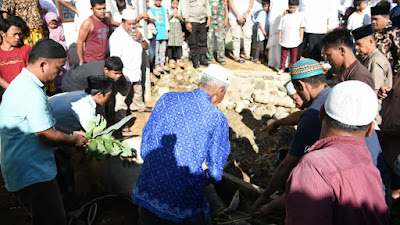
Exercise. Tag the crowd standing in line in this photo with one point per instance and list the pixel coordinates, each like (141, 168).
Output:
(343, 164)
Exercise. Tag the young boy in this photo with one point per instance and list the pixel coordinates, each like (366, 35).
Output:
(162, 27)
(291, 33)
(262, 31)
(358, 18)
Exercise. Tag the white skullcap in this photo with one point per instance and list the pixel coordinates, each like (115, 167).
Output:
(128, 14)
(219, 73)
(353, 103)
(290, 88)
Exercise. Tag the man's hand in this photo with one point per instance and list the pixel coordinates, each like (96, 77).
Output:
(128, 161)
(271, 129)
(80, 140)
(260, 201)
(383, 92)
(81, 62)
(226, 22)
(265, 33)
(240, 19)
(189, 27)
(208, 22)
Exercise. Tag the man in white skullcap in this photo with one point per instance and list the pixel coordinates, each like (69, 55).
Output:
(336, 182)
(184, 130)
(127, 43)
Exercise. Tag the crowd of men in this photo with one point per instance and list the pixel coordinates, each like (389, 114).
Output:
(343, 165)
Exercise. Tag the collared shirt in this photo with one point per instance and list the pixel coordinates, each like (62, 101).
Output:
(356, 71)
(73, 110)
(183, 131)
(336, 183)
(24, 110)
(388, 42)
(196, 10)
(380, 68)
(129, 51)
(309, 126)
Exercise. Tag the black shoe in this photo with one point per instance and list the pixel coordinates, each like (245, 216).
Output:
(195, 61)
(203, 60)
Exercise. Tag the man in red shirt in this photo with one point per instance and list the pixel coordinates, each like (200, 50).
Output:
(336, 182)
(94, 33)
(13, 55)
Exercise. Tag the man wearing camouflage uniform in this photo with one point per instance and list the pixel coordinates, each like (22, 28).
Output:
(216, 23)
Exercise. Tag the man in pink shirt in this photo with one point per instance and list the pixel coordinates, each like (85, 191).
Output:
(336, 182)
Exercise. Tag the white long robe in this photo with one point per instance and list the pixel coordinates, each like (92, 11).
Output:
(277, 8)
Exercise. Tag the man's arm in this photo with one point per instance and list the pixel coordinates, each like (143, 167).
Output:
(278, 179)
(291, 120)
(86, 28)
(218, 153)
(69, 6)
(55, 138)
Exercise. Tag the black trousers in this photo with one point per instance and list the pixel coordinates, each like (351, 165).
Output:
(198, 39)
(311, 46)
(43, 203)
(174, 52)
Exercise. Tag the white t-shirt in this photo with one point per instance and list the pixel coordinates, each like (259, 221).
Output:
(290, 25)
(129, 51)
(319, 16)
(355, 21)
(262, 18)
(241, 7)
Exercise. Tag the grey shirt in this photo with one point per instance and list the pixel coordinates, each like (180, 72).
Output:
(195, 10)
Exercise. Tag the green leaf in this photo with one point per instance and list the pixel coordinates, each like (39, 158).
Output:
(98, 118)
(109, 145)
(93, 146)
(91, 125)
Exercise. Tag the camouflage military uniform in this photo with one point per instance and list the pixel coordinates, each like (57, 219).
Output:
(216, 30)
(388, 42)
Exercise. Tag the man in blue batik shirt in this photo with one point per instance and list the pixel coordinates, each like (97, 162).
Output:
(184, 130)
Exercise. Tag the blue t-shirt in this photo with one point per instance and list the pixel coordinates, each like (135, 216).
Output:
(24, 110)
(309, 127)
(160, 22)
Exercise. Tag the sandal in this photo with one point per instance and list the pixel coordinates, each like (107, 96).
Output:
(222, 62)
(172, 64)
(165, 68)
(180, 64)
(256, 61)
(251, 59)
(240, 60)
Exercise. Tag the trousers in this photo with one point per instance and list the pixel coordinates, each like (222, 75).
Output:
(161, 48)
(237, 30)
(43, 203)
(284, 54)
(216, 31)
(198, 39)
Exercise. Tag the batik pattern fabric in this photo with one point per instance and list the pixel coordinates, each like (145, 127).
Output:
(184, 131)
(28, 10)
(388, 42)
